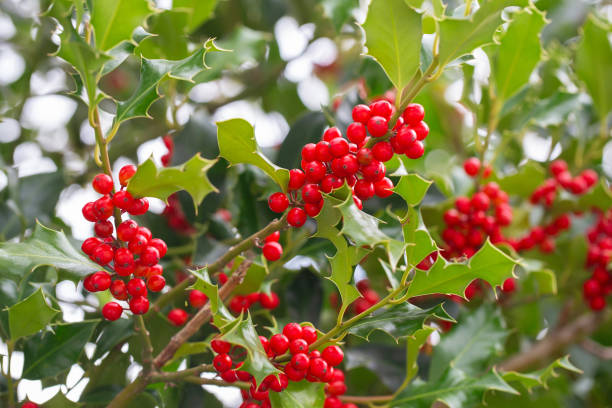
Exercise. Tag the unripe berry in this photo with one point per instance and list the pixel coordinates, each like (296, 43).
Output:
(333, 355)
(272, 251)
(296, 179)
(139, 305)
(361, 113)
(382, 151)
(89, 212)
(222, 362)
(156, 283)
(136, 287)
(377, 126)
(103, 183)
(126, 173)
(356, 133)
(103, 228)
(296, 217)
(112, 311)
(331, 133)
(177, 317)
(139, 206)
(413, 114)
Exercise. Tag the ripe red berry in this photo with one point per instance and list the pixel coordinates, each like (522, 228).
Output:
(377, 126)
(381, 108)
(197, 298)
(123, 200)
(103, 183)
(126, 173)
(481, 201)
(118, 289)
(336, 388)
(558, 166)
(269, 301)
(405, 138)
(103, 207)
(222, 362)
(160, 245)
(29, 404)
(333, 355)
(296, 217)
(356, 133)
(309, 334)
(100, 280)
(330, 182)
(416, 150)
(509, 285)
(139, 305)
(296, 179)
(323, 152)
(102, 254)
(272, 251)
(331, 133)
(364, 189)
(315, 171)
(298, 346)
(103, 228)
(112, 311)
(139, 206)
(90, 244)
(421, 129)
(149, 256)
(136, 287)
(597, 303)
(220, 346)
(89, 212)
(374, 171)
(413, 114)
(318, 367)
(300, 361)
(311, 194)
(338, 147)
(177, 317)
(156, 283)
(382, 151)
(472, 166)
(138, 244)
(309, 152)
(292, 331)
(127, 230)
(361, 113)
(279, 344)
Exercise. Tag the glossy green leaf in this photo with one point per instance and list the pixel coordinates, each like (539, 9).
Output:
(204, 285)
(460, 36)
(398, 321)
(152, 73)
(48, 354)
(302, 394)
(60, 401)
(454, 388)
(412, 188)
(393, 37)
(114, 21)
(541, 377)
(237, 144)
(149, 181)
(30, 316)
(44, 247)
(599, 196)
(190, 348)
(257, 362)
(471, 345)
(198, 11)
(414, 343)
(523, 182)
(169, 39)
(416, 233)
(489, 264)
(112, 334)
(254, 277)
(518, 53)
(594, 63)
(551, 111)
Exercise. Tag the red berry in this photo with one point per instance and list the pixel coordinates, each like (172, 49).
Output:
(138, 244)
(382, 151)
(597, 303)
(481, 201)
(270, 301)
(331, 182)
(300, 361)
(101, 280)
(126, 173)
(160, 245)
(563, 222)
(405, 138)
(119, 290)
(139, 206)
(338, 375)
(149, 256)
(358, 202)
(88, 284)
(364, 189)
(338, 147)
(356, 132)
(333, 402)
(421, 129)
(90, 244)
(279, 344)
(374, 171)
(361, 113)
(103, 183)
(381, 108)
(103, 207)
(273, 237)
(220, 346)
(309, 334)
(309, 152)
(336, 388)
(112, 311)
(292, 331)
(103, 228)
(416, 150)
(298, 346)
(413, 114)
(123, 200)
(383, 188)
(318, 367)
(591, 288)
(333, 355)
(364, 156)
(296, 179)
(348, 165)
(590, 177)
(127, 230)
(156, 283)
(323, 152)
(472, 166)
(177, 317)
(296, 217)
(557, 167)
(89, 212)
(272, 251)
(139, 305)
(29, 404)
(377, 126)
(197, 298)
(509, 285)
(102, 254)
(311, 194)
(331, 133)
(315, 171)
(136, 287)
(294, 374)
(222, 362)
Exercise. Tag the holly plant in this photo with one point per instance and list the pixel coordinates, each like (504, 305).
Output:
(319, 203)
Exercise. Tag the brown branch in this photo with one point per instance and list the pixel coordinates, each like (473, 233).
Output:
(555, 342)
(355, 399)
(593, 347)
(180, 375)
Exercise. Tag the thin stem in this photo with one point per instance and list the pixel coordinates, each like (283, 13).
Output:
(181, 375)
(148, 346)
(9, 379)
(220, 383)
(365, 400)
(468, 8)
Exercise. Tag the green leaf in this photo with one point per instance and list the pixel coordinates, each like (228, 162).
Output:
(599, 196)
(413, 346)
(398, 321)
(416, 233)
(198, 11)
(169, 39)
(152, 73)
(594, 63)
(471, 344)
(237, 144)
(204, 285)
(149, 181)
(254, 277)
(114, 21)
(113, 334)
(48, 354)
(257, 362)
(454, 389)
(30, 316)
(60, 401)
(489, 264)
(188, 349)
(518, 53)
(460, 36)
(540, 377)
(523, 183)
(302, 394)
(339, 11)
(550, 111)
(393, 37)
(412, 188)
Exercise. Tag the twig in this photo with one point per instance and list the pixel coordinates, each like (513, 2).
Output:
(593, 347)
(180, 375)
(355, 399)
(147, 351)
(213, 381)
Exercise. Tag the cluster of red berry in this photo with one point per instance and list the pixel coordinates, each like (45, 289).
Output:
(241, 303)
(542, 236)
(314, 366)
(369, 297)
(330, 163)
(562, 178)
(197, 299)
(132, 252)
(599, 255)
